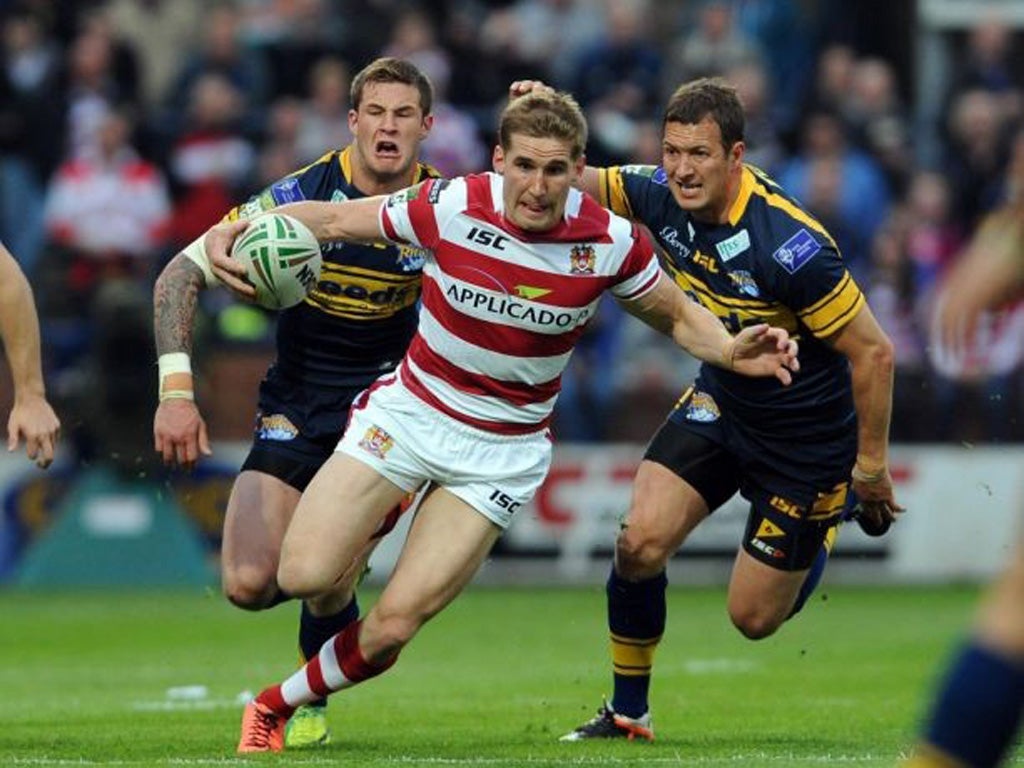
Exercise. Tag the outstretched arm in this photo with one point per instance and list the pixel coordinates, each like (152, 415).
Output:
(354, 221)
(31, 417)
(759, 350)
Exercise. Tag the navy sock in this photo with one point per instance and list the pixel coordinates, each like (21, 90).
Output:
(636, 620)
(314, 631)
(978, 708)
(811, 580)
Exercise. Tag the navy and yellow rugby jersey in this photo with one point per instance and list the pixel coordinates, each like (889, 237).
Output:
(772, 262)
(358, 320)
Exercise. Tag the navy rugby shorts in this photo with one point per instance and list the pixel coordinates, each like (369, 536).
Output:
(796, 489)
(297, 427)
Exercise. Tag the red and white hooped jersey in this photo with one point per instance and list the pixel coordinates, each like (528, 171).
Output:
(502, 307)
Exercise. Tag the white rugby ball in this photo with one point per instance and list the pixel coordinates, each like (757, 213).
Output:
(282, 259)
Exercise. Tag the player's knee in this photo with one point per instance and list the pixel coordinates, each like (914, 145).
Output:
(639, 554)
(301, 578)
(393, 631)
(252, 589)
(754, 622)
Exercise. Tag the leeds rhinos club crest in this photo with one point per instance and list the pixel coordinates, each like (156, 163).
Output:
(275, 426)
(702, 408)
(582, 260)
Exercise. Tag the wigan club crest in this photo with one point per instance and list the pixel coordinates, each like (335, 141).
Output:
(376, 442)
(581, 260)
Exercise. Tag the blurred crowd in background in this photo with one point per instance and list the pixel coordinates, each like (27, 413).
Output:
(127, 127)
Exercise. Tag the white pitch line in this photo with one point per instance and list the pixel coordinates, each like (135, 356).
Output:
(173, 761)
(409, 760)
(676, 759)
(184, 705)
(745, 758)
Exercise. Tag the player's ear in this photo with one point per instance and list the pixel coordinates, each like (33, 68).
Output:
(737, 151)
(353, 121)
(498, 159)
(578, 167)
(428, 123)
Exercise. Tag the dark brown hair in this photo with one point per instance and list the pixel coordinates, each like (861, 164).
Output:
(708, 97)
(392, 70)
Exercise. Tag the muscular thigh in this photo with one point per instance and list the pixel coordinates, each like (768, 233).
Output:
(259, 510)
(684, 476)
(337, 515)
(276, 471)
(787, 523)
(783, 535)
(446, 545)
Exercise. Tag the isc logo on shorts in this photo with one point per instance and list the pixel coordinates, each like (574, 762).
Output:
(772, 552)
(504, 501)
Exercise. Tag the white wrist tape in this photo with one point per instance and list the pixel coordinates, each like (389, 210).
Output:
(171, 363)
(196, 251)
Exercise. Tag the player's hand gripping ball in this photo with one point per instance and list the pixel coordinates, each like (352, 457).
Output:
(282, 259)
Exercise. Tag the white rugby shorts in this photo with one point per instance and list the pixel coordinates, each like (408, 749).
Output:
(409, 443)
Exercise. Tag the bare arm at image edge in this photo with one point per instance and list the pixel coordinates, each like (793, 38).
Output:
(31, 417)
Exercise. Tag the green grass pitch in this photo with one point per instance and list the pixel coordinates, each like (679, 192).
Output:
(492, 682)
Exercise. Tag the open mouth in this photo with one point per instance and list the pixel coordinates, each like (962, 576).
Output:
(387, 149)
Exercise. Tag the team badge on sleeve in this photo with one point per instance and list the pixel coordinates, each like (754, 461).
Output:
(376, 442)
(286, 191)
(435, 190)
(582, 260)
(646, 171)
(797, 251)
(406, 195)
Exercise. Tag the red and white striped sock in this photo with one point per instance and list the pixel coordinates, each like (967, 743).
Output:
(340, 664)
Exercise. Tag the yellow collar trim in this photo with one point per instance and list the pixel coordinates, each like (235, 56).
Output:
(739, 205)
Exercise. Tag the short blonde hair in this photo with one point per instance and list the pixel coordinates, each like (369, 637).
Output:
(545, 115)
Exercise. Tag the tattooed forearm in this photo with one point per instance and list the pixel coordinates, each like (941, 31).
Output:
(174, 305)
